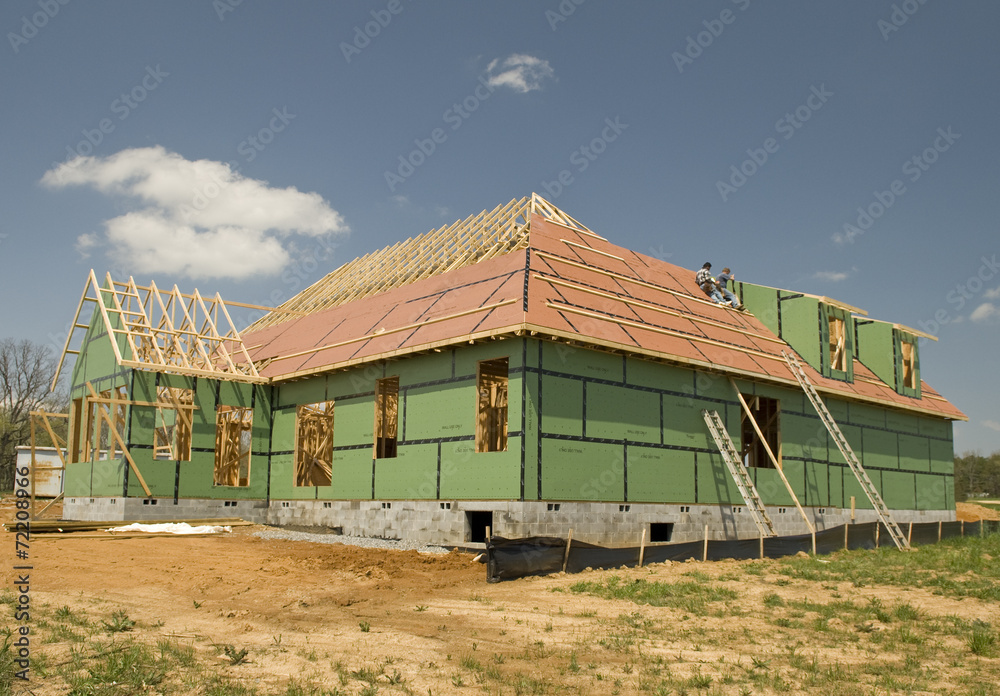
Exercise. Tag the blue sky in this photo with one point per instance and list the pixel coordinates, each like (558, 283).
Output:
(846, 149)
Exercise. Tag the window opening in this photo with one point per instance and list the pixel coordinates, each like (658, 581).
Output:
(233, 438)
(491, 409)
(766, 413)
(314, 444)
(100, 418)
(838, 344)
(909, 364)
(386, 417)
(172, 434)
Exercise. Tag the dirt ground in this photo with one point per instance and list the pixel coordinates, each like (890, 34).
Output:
(321, 612)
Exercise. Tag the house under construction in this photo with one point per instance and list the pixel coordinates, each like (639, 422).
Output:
(513, 371)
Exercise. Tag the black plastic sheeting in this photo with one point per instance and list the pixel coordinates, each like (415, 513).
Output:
(507, 559)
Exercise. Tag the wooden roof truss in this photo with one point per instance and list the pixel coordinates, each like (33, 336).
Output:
(463, 243)
(165, 330)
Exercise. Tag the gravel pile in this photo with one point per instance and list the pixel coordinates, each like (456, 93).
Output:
(366, 542)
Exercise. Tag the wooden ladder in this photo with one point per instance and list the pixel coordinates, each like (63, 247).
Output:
(739, 473)
(845, 449)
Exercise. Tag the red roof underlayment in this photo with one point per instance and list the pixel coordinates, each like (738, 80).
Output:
(570, 285)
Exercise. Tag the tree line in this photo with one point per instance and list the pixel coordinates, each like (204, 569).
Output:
(26, 371)
(977, 476)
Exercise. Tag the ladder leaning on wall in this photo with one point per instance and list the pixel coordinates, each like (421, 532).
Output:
(845, 449)
(738, 472)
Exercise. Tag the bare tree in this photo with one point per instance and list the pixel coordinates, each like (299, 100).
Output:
(26, 371)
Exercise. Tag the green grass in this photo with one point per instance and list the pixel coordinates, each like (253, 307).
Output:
(688, 596)
(955, 567)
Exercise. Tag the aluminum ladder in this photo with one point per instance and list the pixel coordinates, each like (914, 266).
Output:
(738, 472)
(845, 449)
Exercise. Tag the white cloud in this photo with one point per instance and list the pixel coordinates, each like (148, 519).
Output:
(992, 425)
(522, 73)
(985, 312)
(832, 276)
(993, 294)
(194, 218)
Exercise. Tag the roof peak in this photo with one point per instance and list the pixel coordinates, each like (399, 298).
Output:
(463, 243)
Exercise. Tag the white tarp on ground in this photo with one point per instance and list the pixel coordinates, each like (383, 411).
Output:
(171, 528)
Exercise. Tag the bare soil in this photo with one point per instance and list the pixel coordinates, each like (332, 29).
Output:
(323, 612)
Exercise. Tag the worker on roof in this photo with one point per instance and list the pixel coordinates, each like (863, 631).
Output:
(723, 283)
(708, 284)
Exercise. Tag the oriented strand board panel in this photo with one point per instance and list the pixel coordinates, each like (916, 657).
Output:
(159, 476)
(352, 474)
(659, 475)
(800, 327)
(196, 481)
(874, 349)
(582, 471)
(914, 453)
(283, 432)
(898, 490)
(468, 474)
(620, 413)
(417, 369)
(715, 485)
(562, 401)
(579, 361)
(354, 423)
(933, 492)
(803, 437)
(308, 391)
(853, 488)
(683, 424)
(817, 488)
(645, 373)
(447, 410)
(762, 303)
(401, 477)
(942, 456)
(881, 450)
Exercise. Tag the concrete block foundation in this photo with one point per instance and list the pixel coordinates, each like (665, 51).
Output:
(459, 522)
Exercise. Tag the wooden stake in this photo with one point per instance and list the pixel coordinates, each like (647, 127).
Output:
(642, 546)
(488, 535)
(909, 534)
(852, 508)
(846, 527)
(762, 547)
(962, 523)
(878, 528)
(814, 541)
(704, 550)
(939, 530)
(569, 541)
